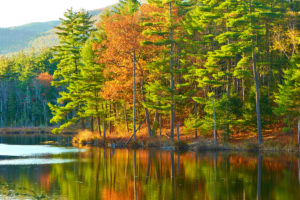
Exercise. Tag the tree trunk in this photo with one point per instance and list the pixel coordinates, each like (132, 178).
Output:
(104, 130)
(196, 113)
(172, 79)
(109, 117)
(227, 103)
(228, 86)
(126, 120)
(243, 89)
(160, 124)
(134, 97)
(155, 121)
(299, 131)
(196, 131)
(82, 124)
(146, 112)
(45, 113)
(257, 98)
(148, 122)
(215, 123)
(178, 163)
(256, 88)
(92, 124)
(178, 132)
(99, 125)
(115, 108)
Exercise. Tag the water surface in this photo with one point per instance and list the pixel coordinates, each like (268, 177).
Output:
(98, 173)
(33, 150)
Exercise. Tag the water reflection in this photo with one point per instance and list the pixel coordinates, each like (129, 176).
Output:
(35, 139)
(33, 150)
(140, 174)
(34, 161)
(259, 168)
(134, 164)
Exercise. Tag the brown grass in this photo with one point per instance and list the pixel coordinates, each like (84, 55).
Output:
(274, 139)
(86, 137)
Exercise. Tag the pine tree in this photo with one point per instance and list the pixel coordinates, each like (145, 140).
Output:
(127, 7)
(163, 32)
(288, 96)
(91, 80)
(74, 30)
(253, 31)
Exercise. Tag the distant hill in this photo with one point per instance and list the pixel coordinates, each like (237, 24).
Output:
(17, 38)
(34, 35)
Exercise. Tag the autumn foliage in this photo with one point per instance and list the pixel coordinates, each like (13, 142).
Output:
(123, 38)
(45, 79)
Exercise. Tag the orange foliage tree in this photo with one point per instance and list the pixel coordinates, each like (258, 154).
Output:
(45, 79)
(123, 53)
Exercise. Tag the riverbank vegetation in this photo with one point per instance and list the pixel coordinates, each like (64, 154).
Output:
(222, 70)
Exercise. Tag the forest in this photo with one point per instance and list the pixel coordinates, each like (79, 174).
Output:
(213, 68)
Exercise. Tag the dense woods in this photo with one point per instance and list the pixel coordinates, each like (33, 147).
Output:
(25, 89)
(212, 67)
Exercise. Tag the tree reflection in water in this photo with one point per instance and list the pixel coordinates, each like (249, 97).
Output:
(139, 174)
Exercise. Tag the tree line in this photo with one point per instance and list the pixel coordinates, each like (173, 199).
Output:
(25, 89)
(210, 66)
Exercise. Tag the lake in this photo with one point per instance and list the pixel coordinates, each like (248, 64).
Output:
(38, 171)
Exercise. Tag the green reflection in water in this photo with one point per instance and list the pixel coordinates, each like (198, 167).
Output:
(127, 174)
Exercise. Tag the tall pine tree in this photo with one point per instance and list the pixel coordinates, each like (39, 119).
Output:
(74, 30)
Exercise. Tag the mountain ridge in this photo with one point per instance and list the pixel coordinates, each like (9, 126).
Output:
(37, 35)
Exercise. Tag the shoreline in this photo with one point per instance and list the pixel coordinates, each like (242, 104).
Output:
(199, 147)
(156, 143)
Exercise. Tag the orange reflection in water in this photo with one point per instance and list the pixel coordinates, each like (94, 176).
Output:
(127, 174)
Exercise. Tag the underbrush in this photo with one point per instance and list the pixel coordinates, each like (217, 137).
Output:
(86, 137)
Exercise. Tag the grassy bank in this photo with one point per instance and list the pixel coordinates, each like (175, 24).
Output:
(274, 144)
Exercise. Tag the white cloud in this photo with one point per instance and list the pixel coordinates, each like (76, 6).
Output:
(18, 12)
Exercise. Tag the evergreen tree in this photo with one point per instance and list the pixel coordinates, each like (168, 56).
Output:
(288, 97)
(74, 30)
(163, 32)
(91, 81)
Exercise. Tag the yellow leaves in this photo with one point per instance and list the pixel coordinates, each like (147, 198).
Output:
(210, 94)
(286, 41)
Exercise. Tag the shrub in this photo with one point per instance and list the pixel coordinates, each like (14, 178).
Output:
(85, 137)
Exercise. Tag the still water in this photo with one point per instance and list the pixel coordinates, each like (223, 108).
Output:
(53, 172)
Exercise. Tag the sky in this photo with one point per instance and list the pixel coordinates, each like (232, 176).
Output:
(19, 12)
